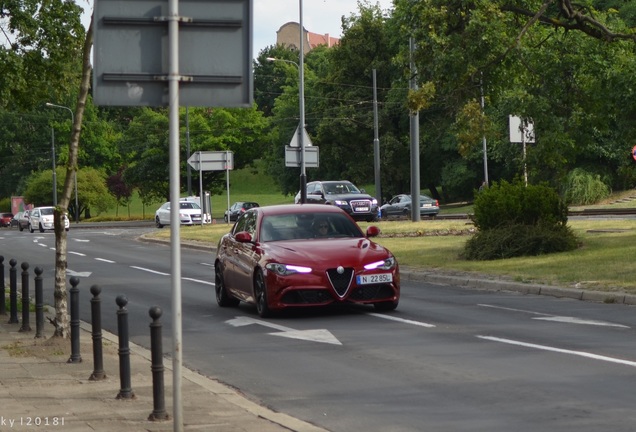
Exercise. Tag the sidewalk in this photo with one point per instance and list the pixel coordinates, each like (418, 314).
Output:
(40, 390)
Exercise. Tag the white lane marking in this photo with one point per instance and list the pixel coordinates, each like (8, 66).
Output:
(77, 253)
(560, 350)
(198, 281)
(81, 240)
(572, 320)
(207, 264)
(70, 272)
(105, 260)
(556, 318)
(150, 271)
(318, 335)
(402, 320)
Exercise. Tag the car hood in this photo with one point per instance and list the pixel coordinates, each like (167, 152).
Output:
(348, 197)
(327, 253)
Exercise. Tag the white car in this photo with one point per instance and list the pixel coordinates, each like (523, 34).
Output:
(189, 214)
(41, 218)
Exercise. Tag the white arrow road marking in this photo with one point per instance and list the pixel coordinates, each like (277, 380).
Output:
(556, 318)
(402, 320)
(78, 274)
(320, 335)
(560, 350)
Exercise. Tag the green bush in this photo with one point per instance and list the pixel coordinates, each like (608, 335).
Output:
(505, 204)
(582, 187)
(517, 220)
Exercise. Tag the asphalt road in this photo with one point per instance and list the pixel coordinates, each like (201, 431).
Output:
(449, 358)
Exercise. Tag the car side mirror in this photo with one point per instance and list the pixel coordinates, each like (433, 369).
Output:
(373, 231)
(243, 237)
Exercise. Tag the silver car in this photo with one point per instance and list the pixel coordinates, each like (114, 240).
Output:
(189, 214)
(41, 218)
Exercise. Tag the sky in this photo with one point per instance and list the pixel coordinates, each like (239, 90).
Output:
(319, 16)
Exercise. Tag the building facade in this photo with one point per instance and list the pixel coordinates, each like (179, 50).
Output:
(289, 35)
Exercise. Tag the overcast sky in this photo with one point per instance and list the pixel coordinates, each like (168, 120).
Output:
(319, 16)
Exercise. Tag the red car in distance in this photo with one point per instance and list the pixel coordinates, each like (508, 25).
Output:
(307, 255)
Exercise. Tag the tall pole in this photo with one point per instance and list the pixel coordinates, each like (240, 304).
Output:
(301, 127)
(483, 104)
(48, 104)
(376, 142)
(188, 157)
(175, 228)
(415, 144)
(54, 171)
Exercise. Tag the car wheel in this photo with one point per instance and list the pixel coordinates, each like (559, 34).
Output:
(223, 298)
(20, 228)
(260, 295)
(225, 218)
(41, 228)
(158, 223)
(31, 228)
(385, 306)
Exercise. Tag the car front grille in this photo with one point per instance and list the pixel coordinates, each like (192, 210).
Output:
(372, 292)
(362, 206)
(340, 281)
(307, 296)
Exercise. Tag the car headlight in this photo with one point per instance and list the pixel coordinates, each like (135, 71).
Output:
(386, 264)
(374, 202)
(341, 202)
(286, 269)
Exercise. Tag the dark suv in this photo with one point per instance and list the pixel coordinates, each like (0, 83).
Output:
(344, 194)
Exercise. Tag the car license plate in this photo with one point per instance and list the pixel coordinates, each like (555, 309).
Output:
(374, 278)
(426, 205)
(361, 209)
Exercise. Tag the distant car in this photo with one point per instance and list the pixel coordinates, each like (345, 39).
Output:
(23, 220)
(41, 218)
(400, 205)
(189, 214)
(344, 194)
(15, 219)
(292, 256)
(5, 219)
(237, 209)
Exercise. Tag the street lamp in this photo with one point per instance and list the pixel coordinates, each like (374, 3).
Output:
(51, 105)
(301, 97)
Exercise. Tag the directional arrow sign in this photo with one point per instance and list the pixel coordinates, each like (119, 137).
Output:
(212, 160)
(322, 335)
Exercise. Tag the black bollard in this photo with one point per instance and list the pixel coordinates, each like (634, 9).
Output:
(3, 303)
(26, 327)
(13, 292)
(125, 392)
(76, 357)
(156, 348)
(39, 303)
(96, 321)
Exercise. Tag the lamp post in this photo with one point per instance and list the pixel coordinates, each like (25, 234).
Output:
(301, 97)
(51, 105)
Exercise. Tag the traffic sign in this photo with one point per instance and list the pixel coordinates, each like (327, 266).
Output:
(212, 160)
(292, 156)
(306, 140)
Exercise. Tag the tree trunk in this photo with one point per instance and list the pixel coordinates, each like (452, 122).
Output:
(61, 321)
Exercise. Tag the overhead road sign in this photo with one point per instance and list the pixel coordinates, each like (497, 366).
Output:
(131, 47)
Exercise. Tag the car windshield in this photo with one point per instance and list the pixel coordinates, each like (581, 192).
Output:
(340, 188)
(304, 226)
(189, 205)
(47, 211)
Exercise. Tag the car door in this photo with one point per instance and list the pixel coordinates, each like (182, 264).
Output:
(315, 194)
(393, 209)
(246, 257)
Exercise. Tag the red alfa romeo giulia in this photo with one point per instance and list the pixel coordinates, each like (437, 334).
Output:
(299, 255)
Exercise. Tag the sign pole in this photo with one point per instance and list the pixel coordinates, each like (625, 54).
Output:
(175, 228)
(227, 181)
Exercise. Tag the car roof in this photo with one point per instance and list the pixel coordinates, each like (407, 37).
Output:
(297, 209)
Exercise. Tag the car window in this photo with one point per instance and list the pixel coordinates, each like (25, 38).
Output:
(245, 222)
(189, 205)
(47, 211)
(302, 226)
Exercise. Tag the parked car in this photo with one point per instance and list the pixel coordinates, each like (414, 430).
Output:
(400, 205)
(344, 194)
(273, 257)
(41, 218)
(189, 214)
(14, 220)
(237, 209)
(23, 220)
(5, 219)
